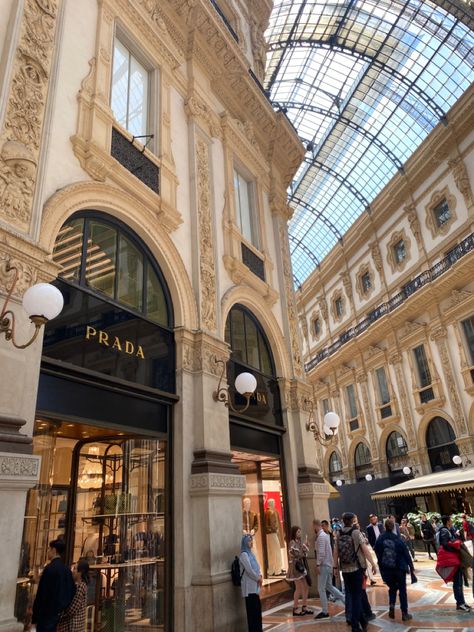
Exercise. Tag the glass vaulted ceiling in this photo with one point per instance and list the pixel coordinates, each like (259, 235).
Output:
(363, 82)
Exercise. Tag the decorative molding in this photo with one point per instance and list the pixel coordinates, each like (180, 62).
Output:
(410, 210)
(290, 298)
(363, 294)
(196, 108)
(430, 220)
(457, 297)
(376, 256)
(19, 472)
(212, 484)
(206, 240)
(461, 178)
(316, 316)
(336, 295)
(397, 236)
(313, 490)
(240, 273)
(24, 117)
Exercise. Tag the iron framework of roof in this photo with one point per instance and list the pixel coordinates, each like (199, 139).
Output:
(363, 82)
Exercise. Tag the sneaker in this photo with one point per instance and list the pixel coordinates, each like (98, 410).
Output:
(406, 616)
(322, 615)
(464, 607)
(391, 612)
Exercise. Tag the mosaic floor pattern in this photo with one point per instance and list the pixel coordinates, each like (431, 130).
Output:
(431, 603)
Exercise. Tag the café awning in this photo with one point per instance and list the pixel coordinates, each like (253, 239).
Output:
(445, 481)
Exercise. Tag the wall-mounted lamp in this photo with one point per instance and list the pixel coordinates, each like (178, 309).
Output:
(411, 470)
(331, 423)
(369, 477)
(462, 460)
(42, 302)
(245, 384)
(339, 482)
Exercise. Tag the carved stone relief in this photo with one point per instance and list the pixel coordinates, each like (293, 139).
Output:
(461, 178)
(290, 299)
(396, 360)
(439, 336)
(26, 103)
(207, 265)
(414, 222)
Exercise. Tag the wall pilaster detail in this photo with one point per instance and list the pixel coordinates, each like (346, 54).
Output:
(21, 134)
(396, 361)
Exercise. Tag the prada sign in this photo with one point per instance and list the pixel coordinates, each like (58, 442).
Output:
(99, 336)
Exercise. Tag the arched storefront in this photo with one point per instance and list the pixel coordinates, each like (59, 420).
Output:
(396, 450)
(362, 461)
(441, 444)
(103, 417)
(335, 467)
(256, 443)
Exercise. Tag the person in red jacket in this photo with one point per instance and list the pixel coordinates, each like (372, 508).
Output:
(449, 562)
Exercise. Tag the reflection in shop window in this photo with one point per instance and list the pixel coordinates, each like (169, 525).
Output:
(106, 499)
(263, 512)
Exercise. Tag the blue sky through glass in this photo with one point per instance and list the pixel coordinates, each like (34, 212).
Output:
(364, 82)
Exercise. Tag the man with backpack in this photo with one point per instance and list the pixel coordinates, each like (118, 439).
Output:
(394, 562)
(351, 556)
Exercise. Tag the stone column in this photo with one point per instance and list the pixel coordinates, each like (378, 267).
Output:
(208, 489)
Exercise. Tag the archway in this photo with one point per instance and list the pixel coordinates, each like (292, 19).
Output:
(441, 444)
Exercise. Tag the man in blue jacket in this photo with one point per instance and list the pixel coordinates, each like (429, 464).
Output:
(394, 562)
(56, 590)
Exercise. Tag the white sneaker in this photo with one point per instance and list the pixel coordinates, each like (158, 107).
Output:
(464, 607)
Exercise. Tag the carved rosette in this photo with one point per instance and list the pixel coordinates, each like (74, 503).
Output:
(290, 300)
(26, 104)
(207, 265)
(439, 336)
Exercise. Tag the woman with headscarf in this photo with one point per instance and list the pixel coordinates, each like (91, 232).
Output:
(250, 583)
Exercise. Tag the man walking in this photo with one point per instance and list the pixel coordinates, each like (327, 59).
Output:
(56, 590)
(449, 543)
(374, 529)
(351, 555)
(394, 562)
(324, 568)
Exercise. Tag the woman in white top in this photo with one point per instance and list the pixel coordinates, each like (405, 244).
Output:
(251, 581)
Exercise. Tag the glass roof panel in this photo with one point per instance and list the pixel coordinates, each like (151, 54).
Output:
(364, 82)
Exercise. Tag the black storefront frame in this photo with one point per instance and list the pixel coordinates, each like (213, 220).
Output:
(117, 385)
(79, 381)
(241, 440)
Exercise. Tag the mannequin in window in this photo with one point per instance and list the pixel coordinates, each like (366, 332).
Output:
(249, 519)
(90, 544)
(272, 529)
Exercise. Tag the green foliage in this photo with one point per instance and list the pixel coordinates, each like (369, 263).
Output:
(415, 519)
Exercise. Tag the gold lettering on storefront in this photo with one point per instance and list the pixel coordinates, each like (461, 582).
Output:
(114, 342)
(261, 397)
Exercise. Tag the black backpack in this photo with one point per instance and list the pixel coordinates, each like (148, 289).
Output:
(235, 572)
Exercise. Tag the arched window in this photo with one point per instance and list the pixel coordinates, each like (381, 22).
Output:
(248, 341)
(251, 352)
(335, 466)
(101, 254)
(396, 447)
(362, 461)
(441, 444)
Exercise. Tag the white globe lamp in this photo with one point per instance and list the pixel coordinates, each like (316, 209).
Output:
(368, 477)
(457, 460)
(339, 482)
(43, 301)
(245, 384)
(407, 470)
(331, 420)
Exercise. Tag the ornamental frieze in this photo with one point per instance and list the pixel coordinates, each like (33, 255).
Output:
(19, 466)
(24, 117)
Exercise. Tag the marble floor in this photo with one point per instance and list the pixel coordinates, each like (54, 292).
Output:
(431, 603)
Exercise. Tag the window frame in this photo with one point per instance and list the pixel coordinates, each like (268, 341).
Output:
(254, 211)
(134, 51)
(431, 219)
(467, 344)
(148, 261)
(420, 369)
(379, 390)
(351, 398)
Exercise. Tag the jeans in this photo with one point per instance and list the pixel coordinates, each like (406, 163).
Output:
(253, 607)
(353, 585)
(396, 581)
(365, 606)
(457, 588)
(325, 584)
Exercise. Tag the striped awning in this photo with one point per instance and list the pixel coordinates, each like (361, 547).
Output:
(445, 481)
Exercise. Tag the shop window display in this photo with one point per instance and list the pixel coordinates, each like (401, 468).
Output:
(103, 492)
(263, 512)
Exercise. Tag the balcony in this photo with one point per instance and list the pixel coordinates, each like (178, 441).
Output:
(426, 277)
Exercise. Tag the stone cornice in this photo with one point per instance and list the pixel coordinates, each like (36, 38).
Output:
(18, 471)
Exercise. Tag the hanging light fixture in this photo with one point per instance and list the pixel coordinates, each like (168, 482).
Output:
(91, 476)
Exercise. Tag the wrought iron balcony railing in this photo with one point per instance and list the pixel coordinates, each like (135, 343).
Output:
(459, 251)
